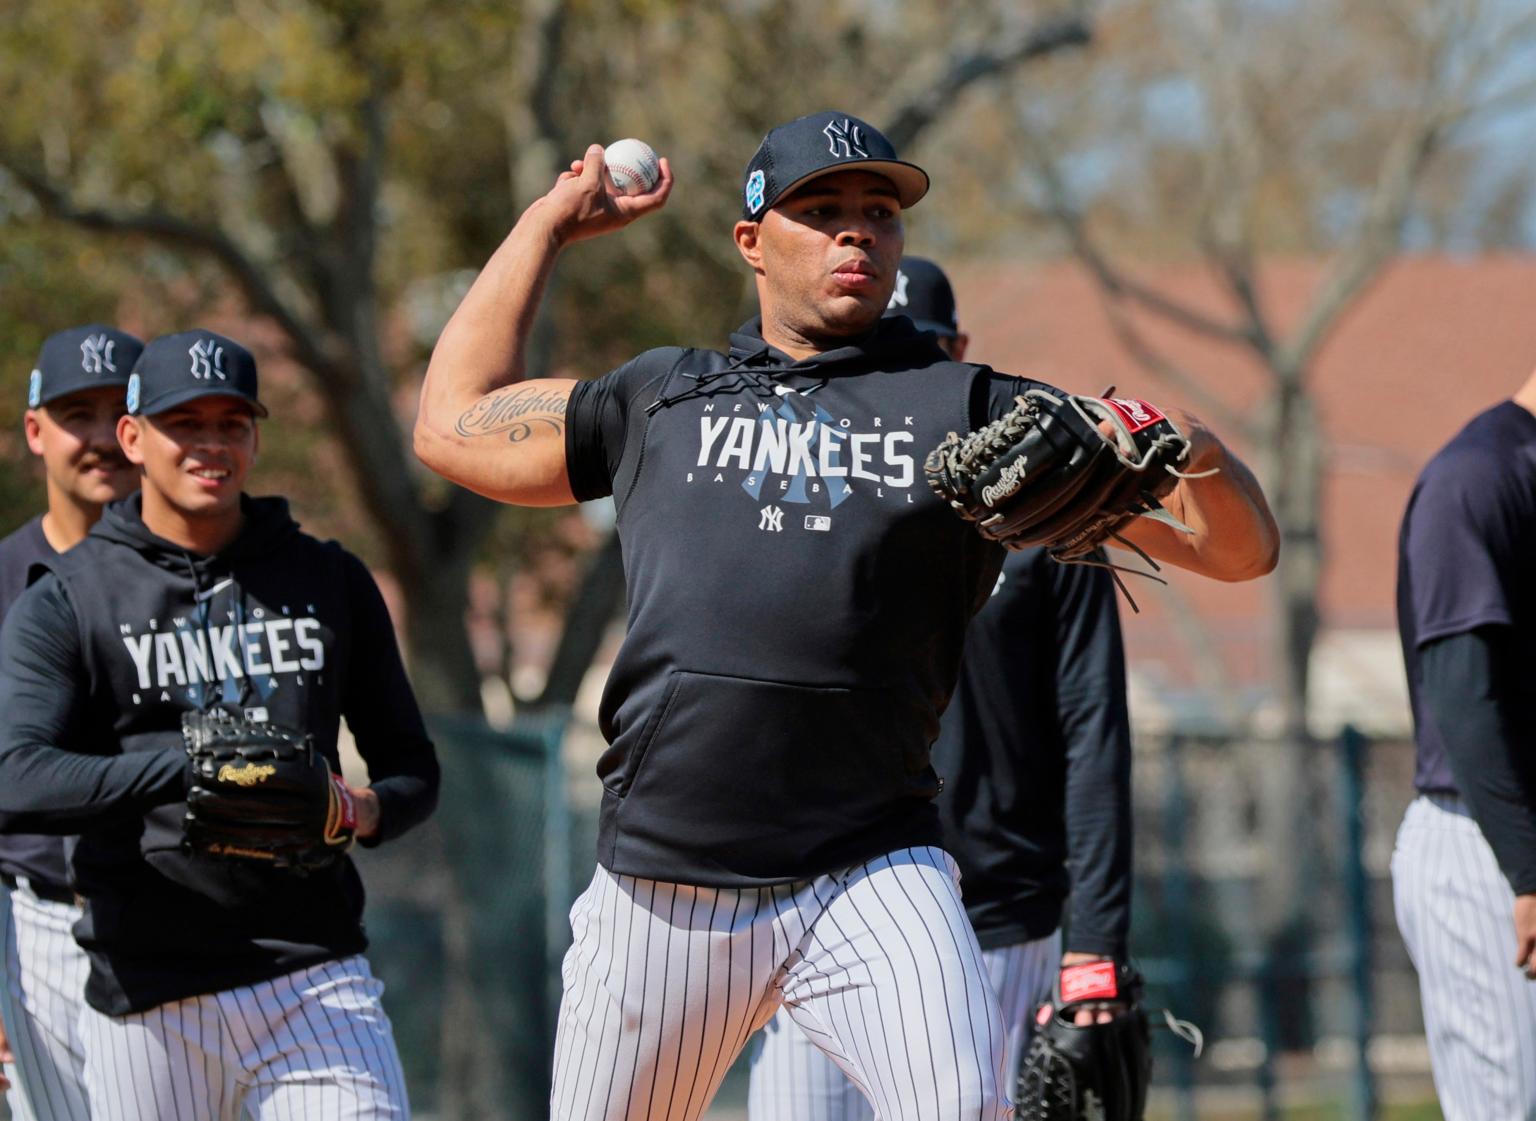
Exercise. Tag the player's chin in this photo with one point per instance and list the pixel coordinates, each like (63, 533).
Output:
(203, 503)
(101, 487)
(851, 313)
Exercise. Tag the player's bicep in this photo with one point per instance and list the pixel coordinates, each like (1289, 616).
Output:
(508, 445)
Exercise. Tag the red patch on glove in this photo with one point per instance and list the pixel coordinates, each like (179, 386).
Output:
(1092, 980)
(1136, 414)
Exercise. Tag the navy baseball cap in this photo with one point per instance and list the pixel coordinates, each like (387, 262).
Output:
(90, 357)
(923, 294)
(175, 369)
(798, 152)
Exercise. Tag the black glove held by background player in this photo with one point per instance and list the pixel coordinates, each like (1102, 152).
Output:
(261, 792)
(1093, 1072)
(1045, 474)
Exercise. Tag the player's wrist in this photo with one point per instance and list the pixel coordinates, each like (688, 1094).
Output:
(540, 228)
(369, 812)
(1079, 957)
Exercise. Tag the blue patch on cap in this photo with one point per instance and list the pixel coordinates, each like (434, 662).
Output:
(35, 390)
(133, 393)
(755, 183)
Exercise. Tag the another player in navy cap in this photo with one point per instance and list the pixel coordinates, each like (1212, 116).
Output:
(216, 988)
(191, 425)
(924, 295)
(74, 399)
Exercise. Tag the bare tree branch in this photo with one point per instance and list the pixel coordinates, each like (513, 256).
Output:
(167, 229)
(534, 128)
(1165, 369)
(1378, 238)
(361, 412)
(1111, 279)
(905, 121)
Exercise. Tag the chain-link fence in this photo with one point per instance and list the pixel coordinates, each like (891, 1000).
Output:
(467, 921)
(1304, 999)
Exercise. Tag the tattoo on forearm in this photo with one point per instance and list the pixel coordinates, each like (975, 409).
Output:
(518, 412)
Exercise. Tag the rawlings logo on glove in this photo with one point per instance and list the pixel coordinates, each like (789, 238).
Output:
(262, 792)
(1091, 1071)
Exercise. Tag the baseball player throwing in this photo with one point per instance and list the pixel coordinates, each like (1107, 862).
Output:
(1464, 869)
(797, 604)
(220, 979)
(74, 399)
(1035, 750)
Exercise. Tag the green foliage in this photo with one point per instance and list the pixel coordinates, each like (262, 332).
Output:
(47, 281)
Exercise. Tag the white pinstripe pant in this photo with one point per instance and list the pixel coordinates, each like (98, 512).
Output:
(40, 1001)
(313, 1044)
(1456, 913)
(665, 982)
(793, 1081)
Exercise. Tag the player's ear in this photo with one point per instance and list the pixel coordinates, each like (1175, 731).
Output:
(33, 427)
(129, 434)
(749, 242)
(957, 346)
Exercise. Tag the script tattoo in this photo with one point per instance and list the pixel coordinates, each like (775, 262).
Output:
(517, 412)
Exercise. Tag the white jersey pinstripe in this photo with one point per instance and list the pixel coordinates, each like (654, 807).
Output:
(314, 1044)
(793, 1081)
(664, 984)
(1455, 910)
(41, 995)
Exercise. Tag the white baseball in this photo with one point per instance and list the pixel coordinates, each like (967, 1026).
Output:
(632, 164)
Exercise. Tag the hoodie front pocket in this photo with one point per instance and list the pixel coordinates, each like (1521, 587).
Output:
(743, 765)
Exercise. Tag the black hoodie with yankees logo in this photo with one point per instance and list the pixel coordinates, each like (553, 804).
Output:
(798, 599)
(98, 661)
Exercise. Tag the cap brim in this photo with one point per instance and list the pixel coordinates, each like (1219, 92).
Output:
(70, 391)
(910, 180)
(182, 396)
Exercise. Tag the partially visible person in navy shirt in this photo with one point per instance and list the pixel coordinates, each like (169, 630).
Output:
(1464, 871)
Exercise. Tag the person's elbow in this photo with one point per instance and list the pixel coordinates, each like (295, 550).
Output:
(1258, 558)
(432, 448)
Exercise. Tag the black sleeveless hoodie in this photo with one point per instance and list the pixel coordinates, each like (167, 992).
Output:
(797, 600)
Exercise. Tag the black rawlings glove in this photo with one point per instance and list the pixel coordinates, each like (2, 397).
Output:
(262, 792)
(1097, 1072)
(1044, 473)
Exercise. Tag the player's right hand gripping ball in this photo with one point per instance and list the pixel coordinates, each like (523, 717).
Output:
(261, 792)
(1093, 1072)
(1045, 473)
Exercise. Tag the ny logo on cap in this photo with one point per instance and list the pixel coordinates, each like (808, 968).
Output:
(207, 360)
(96, 354)
(899, 297)
(845, 140)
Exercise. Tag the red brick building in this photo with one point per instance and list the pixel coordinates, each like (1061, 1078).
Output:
(1436, 340)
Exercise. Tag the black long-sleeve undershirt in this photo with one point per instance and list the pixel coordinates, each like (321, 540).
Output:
(1471, 686)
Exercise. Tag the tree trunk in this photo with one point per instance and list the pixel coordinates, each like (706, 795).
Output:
(597, 600)
(1294, 485)
(443, 667)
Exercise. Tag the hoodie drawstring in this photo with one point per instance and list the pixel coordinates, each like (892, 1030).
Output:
(753, 377)
(204, 614)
